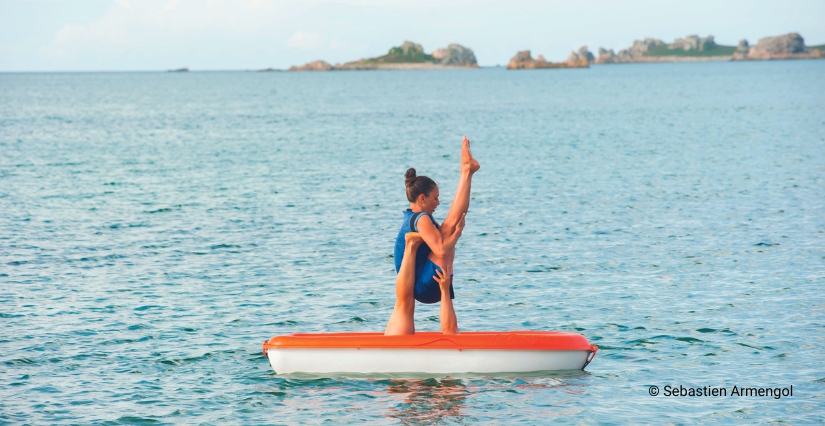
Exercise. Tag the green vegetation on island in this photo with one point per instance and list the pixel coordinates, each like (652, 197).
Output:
(407, 56)
(716, 50)
(404, 54)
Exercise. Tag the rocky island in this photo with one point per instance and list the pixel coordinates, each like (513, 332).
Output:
(405, 57)
(694, 48)
(688, 49)
(312, 66)
(789, 46)
(524, 61)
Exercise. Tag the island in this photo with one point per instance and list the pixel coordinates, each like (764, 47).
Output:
(524, 61)
(405, 57)
(694, 48)
(691, 48)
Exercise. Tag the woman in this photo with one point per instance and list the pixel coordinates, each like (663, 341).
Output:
(424, 251)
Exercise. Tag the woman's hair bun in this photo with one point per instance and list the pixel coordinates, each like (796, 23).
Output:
(410, 177)
(418, 185)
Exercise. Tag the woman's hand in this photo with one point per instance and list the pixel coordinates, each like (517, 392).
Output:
(444, 278)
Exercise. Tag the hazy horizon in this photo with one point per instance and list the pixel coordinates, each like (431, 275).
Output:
(152, 35)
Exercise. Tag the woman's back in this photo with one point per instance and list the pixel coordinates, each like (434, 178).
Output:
(411, 218)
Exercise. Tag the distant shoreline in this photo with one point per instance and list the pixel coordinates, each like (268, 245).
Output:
(250, 70)
(691, 48)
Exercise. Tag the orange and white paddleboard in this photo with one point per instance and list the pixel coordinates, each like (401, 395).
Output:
(429, 352)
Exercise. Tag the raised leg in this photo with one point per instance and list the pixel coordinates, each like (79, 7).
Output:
(401, 320)
(461, 200)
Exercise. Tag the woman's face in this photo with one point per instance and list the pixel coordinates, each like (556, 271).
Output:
(430, 202)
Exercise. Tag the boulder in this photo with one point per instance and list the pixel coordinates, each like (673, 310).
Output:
(743, 46)
(313, 66)
(409, 48)
(585, 54)
(624, 55)
(520, 60)
(573, 58)
(605, 56)
(524, 55)
(690, 42)
(455, 55)
(640, 47)
(693, 42)
(777, 47)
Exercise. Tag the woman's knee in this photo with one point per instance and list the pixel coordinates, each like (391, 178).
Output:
(405, 301)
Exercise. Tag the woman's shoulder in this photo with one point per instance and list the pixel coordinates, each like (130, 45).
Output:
(437, 226)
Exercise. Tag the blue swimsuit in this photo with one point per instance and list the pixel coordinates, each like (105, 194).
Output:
(426, 287)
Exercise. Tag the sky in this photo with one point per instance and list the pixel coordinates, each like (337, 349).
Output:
(142, 35)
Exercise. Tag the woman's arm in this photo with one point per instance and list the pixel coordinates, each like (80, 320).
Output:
(432, 236)
(449, 323)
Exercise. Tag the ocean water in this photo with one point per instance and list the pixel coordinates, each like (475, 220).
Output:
(157, 228)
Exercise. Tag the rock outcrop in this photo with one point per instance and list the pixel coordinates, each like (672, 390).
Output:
(524, 61)
(788, 46)
(585, 54)
(693, 42)
(655, 50)
(581, 59)
(313, 66)
(605, 56)
(641, 47)
(634, 54)
(409, 49)
(455, 55)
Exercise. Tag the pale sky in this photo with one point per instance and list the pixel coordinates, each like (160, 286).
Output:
(124, 35)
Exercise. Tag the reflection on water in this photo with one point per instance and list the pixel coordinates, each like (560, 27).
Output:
(429, 400)
(462, 400)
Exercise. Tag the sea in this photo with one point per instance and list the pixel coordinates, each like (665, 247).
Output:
(156, 228)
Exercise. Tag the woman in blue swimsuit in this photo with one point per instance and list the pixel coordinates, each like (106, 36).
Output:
(425, 250)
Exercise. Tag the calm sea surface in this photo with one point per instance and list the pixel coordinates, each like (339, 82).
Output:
(157, 228)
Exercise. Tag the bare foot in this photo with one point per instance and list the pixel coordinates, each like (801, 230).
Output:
(467, 156)
(413, 239)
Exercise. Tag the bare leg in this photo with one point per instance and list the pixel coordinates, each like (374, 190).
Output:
(461, 201)
(401, 320)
